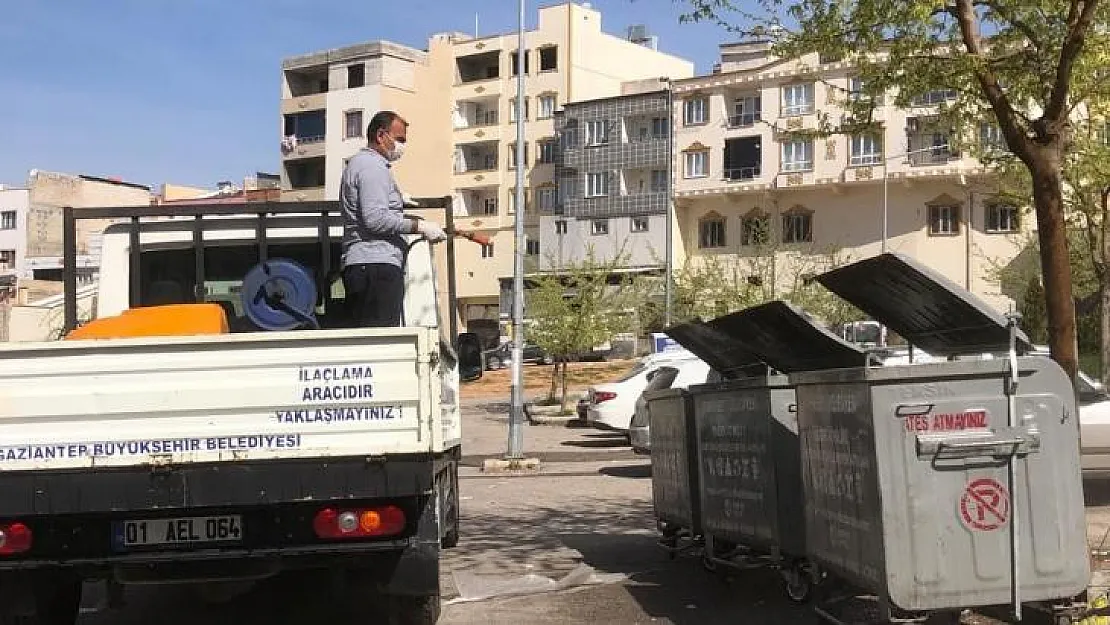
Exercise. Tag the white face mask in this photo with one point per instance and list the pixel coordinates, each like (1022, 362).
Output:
(398, 150)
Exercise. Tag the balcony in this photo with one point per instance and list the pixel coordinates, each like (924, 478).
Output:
(940, 155)
(478, 67)
(743, 159)
(746, 110)
(304, 135)
(304, 103)
(477, 120)
(615, 205)
(635, 154)
(305, 82)
(294, 147)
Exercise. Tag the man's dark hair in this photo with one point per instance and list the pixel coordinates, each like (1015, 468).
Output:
(382, 120)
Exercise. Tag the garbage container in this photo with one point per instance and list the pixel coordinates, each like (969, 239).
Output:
(943, 486)
(749, 469)
(674, 462)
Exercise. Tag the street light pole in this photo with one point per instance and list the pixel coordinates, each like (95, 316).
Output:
(668, 284)
(516, 414)
(886, 196)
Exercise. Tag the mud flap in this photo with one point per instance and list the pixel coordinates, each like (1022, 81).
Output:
(417, 569)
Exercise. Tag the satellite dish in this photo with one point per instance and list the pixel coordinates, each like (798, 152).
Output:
(280, 294)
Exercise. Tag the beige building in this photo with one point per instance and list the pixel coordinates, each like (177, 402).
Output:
(459, 96)
(48, 193)
(745, 183)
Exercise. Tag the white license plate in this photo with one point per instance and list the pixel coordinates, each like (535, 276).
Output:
(179, 531)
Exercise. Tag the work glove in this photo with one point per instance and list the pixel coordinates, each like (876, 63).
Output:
(431, 231)
(408, 201)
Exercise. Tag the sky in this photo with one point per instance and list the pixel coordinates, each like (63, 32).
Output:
(188, 91)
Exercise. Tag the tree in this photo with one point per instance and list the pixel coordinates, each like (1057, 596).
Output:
(582, 305)
(1042, 59)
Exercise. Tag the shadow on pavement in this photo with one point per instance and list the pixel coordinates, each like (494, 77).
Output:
(597, 443)
(637, 471)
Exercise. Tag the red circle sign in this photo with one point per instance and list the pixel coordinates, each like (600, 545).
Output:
(985, 505)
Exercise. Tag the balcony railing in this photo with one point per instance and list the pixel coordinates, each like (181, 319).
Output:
(750, 172)
(485, 122)
(859, 160)
(937, 156)
(745, 120)
(791, 110)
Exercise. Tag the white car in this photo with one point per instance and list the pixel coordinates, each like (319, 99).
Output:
(611, 404)
(680, 374)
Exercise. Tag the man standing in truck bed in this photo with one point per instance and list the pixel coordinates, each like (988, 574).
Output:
(374, 226)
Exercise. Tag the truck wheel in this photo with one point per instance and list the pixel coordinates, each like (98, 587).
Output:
(57, 601)
(449, 489)
(409, 610)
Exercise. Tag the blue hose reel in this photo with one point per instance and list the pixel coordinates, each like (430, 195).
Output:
(279, 294)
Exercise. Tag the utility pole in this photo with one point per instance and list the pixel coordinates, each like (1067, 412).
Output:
(516, 414)
(668, 284)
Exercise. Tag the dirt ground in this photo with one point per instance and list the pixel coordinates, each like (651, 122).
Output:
(537, 378)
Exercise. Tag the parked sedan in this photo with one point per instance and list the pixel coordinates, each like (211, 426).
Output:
(502, 356)
(611, 405)
(681, 375)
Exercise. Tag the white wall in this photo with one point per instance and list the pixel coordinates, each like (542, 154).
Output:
(15, 239)
(641, 249)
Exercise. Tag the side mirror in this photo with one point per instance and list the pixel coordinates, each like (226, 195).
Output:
(469, 348)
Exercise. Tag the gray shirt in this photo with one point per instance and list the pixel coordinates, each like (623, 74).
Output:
(373, 222)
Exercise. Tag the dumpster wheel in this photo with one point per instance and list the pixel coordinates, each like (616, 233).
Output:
(798, 583)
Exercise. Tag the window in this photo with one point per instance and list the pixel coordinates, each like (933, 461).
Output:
(561, 226)
(549, 58)
(489, 206)
(7, 258)
(639, 224)
(531, 247)
(935, 96)
(546, 107)
(597, 184)
(353, 123)
(697, 164)
(512, 110)
(658, 181)
(797, 155)
(797, 227)
(660, 127)
(356, 76)
(7, 220)
(545, 197)
(746, 111)
(512, 200)
(990, 137)
(755, 230)
(711, 232)
(797, 99)
(944, 219)
(695, 111)
(867, 149)
(597, 132)
(487, 250)
(512, 155)
(599, 227)
(545, 151)
(1002, 218)
(516, 61)
(857, 89)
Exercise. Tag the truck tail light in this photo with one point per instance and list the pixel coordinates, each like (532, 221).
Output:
(14, 538)
(359, 522)
(603, 396)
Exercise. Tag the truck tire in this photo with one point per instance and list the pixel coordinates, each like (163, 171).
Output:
(410, 610)
(56, 601)
(449, 491)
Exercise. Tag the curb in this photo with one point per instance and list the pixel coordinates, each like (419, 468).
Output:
(563, 420)
(493, 465)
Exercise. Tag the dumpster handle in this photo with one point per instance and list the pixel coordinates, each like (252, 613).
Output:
(998, 442)
(1011, 408)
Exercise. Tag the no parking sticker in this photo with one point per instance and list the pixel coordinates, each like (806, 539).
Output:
(985, 505)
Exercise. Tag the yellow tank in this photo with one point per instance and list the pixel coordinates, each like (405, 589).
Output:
(167, 320)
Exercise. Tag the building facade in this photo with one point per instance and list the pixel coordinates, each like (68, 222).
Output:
(613, 181)
(749, 182)
(13, 229)
(48, 194)
(460, 99)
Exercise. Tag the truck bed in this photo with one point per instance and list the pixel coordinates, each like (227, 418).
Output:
(226, 398)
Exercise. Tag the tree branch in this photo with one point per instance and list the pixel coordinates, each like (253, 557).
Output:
(1078, 24)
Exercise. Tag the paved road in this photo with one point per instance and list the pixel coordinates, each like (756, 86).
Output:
(591, 504)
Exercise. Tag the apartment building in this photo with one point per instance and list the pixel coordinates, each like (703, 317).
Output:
(748, 183)
(460, 97)
(612, 178)
(13, 229)
(569, 57)
(328, 98)
(48, 193)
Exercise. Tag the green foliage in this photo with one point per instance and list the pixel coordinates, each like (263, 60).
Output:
(1034, 317)
(581, 306)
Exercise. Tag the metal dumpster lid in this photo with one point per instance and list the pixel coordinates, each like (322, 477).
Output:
(927, 309)
(783, 336)
(726, 355)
